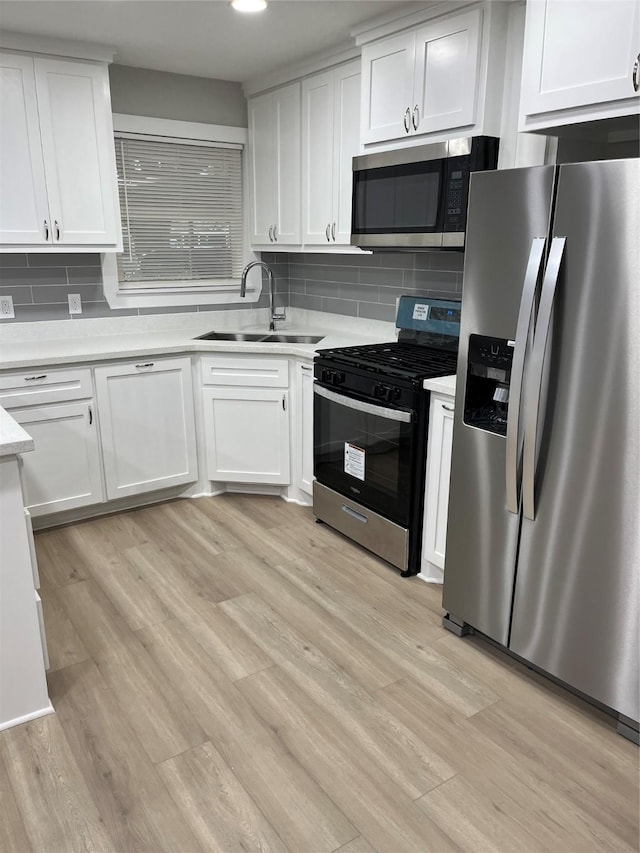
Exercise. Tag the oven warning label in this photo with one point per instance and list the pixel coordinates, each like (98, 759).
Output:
(420, 312)
(354, 461)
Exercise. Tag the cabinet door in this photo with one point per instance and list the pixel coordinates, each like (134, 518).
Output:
(247, 435)
(387, 88)
(446, 73)
(286, 105)
(146, 425)
(317, 158)
(77, 145)
(436, 499)
(24, 211)
(346, 145)
(63, 472)
(579, 53)
(305, 426)
(263, 176)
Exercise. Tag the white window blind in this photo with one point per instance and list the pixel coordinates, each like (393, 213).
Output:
(181, 208)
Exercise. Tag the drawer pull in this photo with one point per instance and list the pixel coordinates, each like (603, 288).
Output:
(34, 378)
(305, 367)
(448, 408)
(357, 515)
(90, 415)
(145, 364)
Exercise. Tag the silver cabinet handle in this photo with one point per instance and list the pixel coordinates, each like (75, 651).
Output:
(407, 119)
(333, 232)
(90, 415)
(326, 232)
(415, 117)
(271, 233)
(46, 230)
(532, 397)
(275, 234)
(33, 378)
(523, 332)
(448, 408)
(636, 74)
(57, 226)
(305, 367)
(284, 403)
(145, 364)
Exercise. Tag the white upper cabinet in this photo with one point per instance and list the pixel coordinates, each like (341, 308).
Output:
(274, 134)
(580, 62)
(422, 81)
(24, 210)
(446, 73)
(57, 163)
(330, 139)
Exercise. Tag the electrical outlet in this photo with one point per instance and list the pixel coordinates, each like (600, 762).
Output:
(75, 303)
(6, 308)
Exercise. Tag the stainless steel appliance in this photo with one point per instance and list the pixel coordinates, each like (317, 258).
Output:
(416, 198)
(370, 430)
(543, 551)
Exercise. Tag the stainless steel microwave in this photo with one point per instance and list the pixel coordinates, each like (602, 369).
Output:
(416, 198)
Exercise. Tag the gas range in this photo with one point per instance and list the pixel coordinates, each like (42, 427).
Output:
(370, 429)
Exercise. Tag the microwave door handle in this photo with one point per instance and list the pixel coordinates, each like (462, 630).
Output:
(534, 391)
(362, 406)
(523, 331)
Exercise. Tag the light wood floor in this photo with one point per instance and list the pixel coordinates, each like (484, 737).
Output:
(230, 676)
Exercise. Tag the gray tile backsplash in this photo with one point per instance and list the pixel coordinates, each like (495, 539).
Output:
(367, 285)
(40, 283)
(352, 285)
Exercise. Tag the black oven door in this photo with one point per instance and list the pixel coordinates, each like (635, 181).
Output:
(399, 204)
(364, 451)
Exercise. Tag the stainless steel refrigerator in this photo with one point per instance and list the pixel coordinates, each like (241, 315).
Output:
(543, 542)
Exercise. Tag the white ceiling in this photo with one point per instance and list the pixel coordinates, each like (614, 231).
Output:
(202, 37)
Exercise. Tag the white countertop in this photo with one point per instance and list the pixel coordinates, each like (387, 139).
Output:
(109, 344)
(441, 384)
(13, 439)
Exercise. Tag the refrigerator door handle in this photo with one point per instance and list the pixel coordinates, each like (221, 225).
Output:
(532, 401)
(523, 330)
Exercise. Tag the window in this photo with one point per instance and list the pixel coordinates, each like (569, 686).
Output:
(182, 214)
(183, 205)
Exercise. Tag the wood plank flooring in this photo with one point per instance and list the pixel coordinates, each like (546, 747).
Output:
(230, 676)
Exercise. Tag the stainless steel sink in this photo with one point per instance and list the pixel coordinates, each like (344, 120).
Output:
(259, 337)
(293, 339)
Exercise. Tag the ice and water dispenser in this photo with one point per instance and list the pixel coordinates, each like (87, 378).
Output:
(486, 400)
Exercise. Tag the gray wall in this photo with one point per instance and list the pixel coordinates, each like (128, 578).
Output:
(159, 94)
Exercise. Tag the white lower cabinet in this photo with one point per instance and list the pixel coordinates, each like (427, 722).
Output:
(304, 426)
(246, 419)
(436, 499)
(247, 434)
(63, 472)
(147, 425)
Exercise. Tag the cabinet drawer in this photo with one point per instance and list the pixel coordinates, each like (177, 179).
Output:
(41, 386)
(245, 370)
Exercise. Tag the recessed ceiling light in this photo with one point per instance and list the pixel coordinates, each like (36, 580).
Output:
(249, 5)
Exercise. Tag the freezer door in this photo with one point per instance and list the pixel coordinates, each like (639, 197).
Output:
(508, 223)
(577, 587)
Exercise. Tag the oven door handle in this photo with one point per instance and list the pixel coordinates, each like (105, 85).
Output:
(360, 406)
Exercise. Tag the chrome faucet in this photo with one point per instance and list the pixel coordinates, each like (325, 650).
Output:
(243, 291)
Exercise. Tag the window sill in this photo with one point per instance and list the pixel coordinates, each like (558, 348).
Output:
(173, 294)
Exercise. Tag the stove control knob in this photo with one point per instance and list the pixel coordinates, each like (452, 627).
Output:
(382, 392)
(337, 378)
(326, 376)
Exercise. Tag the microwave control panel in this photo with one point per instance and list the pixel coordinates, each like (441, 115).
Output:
(456, 194)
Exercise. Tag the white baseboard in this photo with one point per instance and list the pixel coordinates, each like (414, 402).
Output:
(42, 712)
